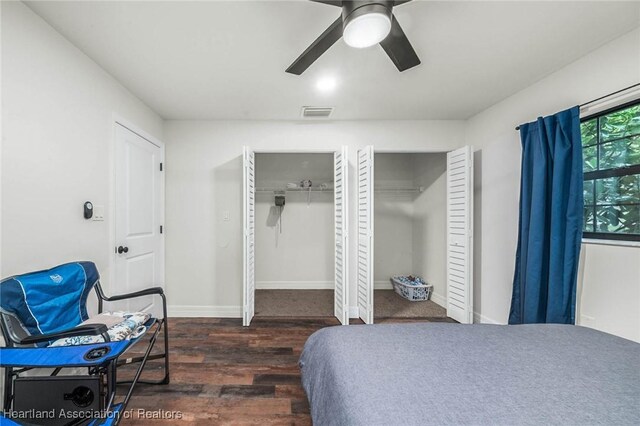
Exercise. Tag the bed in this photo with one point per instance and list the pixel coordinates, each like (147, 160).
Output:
(437, 373)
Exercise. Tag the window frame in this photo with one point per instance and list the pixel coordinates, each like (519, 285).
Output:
(603, 174)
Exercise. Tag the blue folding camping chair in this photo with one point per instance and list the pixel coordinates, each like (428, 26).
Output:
(39, 308)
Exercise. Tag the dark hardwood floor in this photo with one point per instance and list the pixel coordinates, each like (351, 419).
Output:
(223, 373)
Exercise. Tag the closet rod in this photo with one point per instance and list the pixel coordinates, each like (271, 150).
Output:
(411, 190)
(603, 97)
(293, 190)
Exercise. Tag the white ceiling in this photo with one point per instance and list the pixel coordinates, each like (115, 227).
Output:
(226, 59)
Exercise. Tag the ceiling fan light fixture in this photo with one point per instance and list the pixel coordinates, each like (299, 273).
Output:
(367, 25)
(362, 23)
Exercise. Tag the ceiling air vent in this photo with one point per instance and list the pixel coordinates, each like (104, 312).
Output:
(316, 112)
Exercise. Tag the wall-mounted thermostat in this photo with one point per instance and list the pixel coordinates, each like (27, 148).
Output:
(88, 210)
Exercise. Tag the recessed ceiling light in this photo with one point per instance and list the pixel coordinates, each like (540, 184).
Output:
(326, 84)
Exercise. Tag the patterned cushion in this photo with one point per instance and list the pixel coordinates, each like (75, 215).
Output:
(122, 326)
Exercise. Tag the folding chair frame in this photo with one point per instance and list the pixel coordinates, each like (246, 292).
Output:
(107, 368)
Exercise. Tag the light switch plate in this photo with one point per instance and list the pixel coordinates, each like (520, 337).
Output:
(98, 213)
(226, 216)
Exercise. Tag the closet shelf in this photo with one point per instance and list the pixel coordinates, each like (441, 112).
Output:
(294, 189)
(402, 190)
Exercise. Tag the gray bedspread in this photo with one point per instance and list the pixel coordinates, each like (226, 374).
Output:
(431, 373)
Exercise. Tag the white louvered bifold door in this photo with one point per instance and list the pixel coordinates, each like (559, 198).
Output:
(341, 292)
(460, 235)
(365, 234)
(249, 287)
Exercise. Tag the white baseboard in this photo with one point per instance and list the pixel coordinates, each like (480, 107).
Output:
(382, 285)
(439, 299)
(295, 285)
(222, 311)
(354, 312)
(481, 319)
(226, 311)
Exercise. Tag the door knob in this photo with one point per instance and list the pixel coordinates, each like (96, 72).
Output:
(123, 250)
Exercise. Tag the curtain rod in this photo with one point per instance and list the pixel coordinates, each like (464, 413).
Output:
(603, 97)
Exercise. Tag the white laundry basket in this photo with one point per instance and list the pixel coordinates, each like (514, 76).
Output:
(413, 293)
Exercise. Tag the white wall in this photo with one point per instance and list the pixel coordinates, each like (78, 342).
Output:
(393, 237)
(301, 254)
(57, 111)
(204, 173)
(410, 228)
(610, 288)
(430, 223)
(393, 218)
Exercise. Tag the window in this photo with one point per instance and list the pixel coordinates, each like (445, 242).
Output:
(611, 153)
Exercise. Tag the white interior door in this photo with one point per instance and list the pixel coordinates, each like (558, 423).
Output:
(365, 234)
(341, 167)
(138, 211)
(249, 286)
(460, 235)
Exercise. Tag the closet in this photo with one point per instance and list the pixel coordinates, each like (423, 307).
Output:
(414, 217)
(413, 212)
(295, 234)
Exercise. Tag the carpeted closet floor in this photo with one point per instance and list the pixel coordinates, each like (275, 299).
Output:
(319, 303)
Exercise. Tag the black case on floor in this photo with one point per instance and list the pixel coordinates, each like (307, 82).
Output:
(56, 400)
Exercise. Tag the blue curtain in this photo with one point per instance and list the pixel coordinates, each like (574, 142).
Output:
(550, 226)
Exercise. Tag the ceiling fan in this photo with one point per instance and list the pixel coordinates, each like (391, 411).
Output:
(362, 23)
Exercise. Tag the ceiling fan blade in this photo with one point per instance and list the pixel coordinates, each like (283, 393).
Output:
(398, 47)
(332, 2)
(397, 2)
(317, 48)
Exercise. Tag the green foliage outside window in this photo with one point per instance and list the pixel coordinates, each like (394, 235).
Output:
(611, 153)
